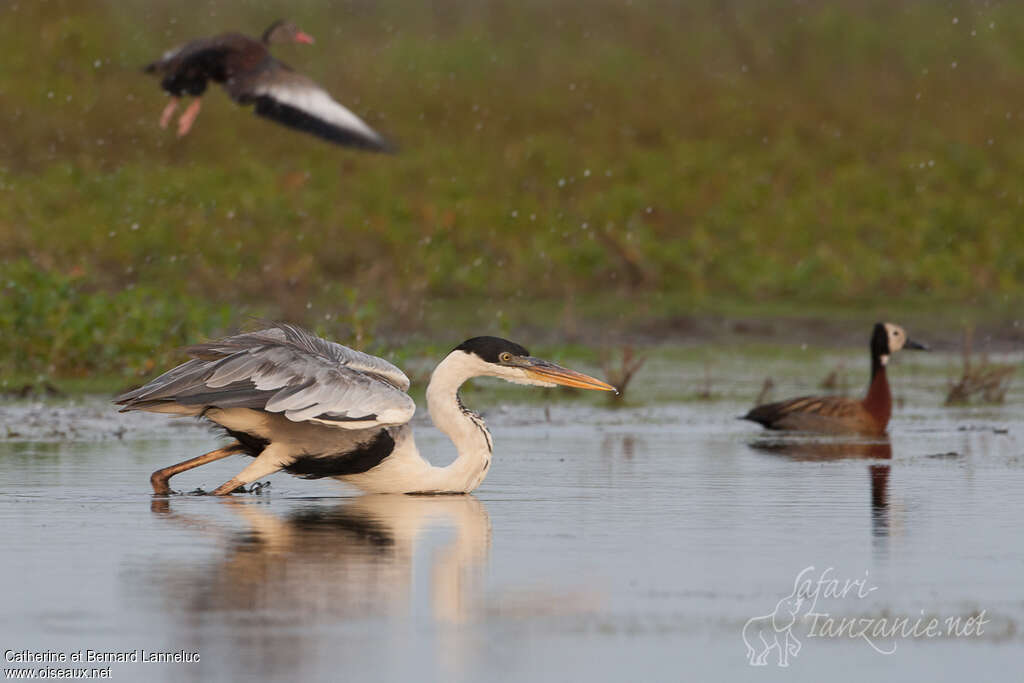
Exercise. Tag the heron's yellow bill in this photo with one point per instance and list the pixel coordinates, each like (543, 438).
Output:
(549, 372)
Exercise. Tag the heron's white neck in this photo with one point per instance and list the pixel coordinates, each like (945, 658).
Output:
(466, 429)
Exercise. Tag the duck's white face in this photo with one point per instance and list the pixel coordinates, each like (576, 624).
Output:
(897, 337)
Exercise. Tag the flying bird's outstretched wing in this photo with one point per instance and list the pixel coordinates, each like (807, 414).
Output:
(296, 101)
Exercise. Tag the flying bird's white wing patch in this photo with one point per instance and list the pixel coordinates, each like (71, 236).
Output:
(316, 102)
(298, 102)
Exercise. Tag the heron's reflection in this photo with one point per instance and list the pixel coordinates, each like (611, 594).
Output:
(286, 583)
(820, 451)
(343, 560)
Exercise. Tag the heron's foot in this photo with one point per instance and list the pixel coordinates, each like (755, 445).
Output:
(233, 485)
(188, 117)
(159, 480)
(168, 112)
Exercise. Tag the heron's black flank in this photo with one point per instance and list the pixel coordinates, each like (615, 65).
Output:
(251, 444)
(365, 457)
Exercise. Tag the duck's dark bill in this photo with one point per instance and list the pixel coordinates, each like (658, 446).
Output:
(915, 346)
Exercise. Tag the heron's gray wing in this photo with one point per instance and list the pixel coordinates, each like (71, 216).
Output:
(262, 371)
(297, 101)
(295, 336)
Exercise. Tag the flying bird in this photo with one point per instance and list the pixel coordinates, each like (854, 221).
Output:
(314, 408)
(841, 415)
(250, 75)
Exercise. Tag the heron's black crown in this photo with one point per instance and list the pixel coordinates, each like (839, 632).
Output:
(490, 348)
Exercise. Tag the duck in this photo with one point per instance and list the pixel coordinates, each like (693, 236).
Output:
(838, 414)
(251, 76)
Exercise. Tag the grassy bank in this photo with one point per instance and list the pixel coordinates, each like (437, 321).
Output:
(564, 165)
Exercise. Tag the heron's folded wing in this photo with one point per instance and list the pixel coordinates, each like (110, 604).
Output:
(292, 335)
(281, 378)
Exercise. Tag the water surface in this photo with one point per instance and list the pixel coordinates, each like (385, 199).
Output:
(630, 544)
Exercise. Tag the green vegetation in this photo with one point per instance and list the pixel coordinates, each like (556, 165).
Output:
(60, 328)
(563, 165)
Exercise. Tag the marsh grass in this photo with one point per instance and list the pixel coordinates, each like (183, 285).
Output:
(979, 378)
(620, 366)
(643, 159)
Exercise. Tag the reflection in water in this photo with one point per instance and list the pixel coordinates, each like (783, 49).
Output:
(625, 443)
(819, 451)
(279, 575)
(879, 500)
(341, 560)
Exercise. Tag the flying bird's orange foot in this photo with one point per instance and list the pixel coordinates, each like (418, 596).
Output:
(168, 112)
(188, 117)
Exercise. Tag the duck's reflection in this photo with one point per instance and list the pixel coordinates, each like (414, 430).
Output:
(820, 451)
(343, 560)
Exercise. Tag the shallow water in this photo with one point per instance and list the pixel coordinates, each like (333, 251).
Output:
(630, 544)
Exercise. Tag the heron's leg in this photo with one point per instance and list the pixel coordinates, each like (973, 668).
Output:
(159, 478)
(168, 112)
(269, 461)
(188, 117)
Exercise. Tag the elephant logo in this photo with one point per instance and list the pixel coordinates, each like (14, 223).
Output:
(774, 631)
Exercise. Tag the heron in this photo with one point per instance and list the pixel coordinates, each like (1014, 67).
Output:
(315, 408)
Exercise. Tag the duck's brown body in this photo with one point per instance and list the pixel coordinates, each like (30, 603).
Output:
(831, 414)
(840, 415)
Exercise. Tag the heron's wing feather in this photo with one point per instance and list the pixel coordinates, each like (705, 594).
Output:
(289, 371)
(295, 100)
(291, 335)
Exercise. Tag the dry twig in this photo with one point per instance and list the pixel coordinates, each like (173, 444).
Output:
(620, 369)
(990, 380)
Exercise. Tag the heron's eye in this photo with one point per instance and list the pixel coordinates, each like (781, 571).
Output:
(505, 357)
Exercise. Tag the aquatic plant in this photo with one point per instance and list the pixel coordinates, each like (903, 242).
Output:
(979, 378)
(619, 369)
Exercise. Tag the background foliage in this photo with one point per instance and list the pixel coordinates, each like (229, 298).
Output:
(563, 163)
